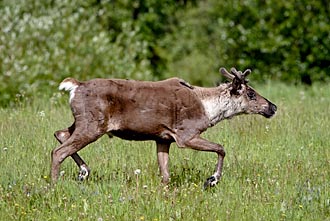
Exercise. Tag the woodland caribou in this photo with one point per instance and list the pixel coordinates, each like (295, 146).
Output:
(165, 111)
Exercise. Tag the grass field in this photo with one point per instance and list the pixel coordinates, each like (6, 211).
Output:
(277, 169)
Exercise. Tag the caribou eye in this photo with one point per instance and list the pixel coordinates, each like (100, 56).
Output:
(251, 95)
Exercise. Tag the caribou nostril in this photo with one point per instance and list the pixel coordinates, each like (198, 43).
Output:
(274, 108)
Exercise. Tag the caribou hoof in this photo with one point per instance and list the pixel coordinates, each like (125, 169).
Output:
(210, 182)
(83, 173)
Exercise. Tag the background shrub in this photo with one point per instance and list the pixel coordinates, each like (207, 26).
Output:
(42, 42)
(283, 40)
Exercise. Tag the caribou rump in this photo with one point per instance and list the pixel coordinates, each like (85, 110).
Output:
(165, 111)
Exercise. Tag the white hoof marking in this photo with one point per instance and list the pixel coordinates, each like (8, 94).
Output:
(83, 173)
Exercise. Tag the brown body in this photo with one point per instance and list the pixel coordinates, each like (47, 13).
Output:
(166, 111)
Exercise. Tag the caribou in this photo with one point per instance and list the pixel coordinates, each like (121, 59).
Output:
(165, 111)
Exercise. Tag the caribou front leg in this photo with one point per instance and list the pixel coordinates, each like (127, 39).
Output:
(198, 143)
(62, 136)
(214, 179)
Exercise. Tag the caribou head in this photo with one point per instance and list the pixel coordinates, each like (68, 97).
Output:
(250, 101)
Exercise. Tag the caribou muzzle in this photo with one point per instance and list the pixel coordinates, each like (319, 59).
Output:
(270, 111)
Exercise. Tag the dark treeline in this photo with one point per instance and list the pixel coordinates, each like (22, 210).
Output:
(42, 42)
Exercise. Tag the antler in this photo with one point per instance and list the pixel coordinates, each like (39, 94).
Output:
(234, 73)
(226, 73)
(238, 74)
(247, 72)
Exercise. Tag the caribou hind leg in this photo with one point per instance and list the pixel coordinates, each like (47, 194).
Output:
(78, 140)
(62, 136)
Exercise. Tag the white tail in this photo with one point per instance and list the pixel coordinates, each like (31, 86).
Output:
(69, 84)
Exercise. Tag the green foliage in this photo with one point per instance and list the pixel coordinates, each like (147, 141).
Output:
(42, 42)
(285, 40)
(274, 169)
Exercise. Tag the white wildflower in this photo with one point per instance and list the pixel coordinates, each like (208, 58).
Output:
(137, 171)
(41, 114)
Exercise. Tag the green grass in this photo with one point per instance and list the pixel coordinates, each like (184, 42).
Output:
(277, 169)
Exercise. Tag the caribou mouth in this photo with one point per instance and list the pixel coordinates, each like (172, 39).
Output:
(270, 112)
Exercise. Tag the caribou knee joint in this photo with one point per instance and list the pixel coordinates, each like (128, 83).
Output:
(62, 135)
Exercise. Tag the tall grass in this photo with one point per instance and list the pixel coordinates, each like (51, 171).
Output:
(277, 169)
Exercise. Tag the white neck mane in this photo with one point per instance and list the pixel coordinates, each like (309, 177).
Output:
(218, 103)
